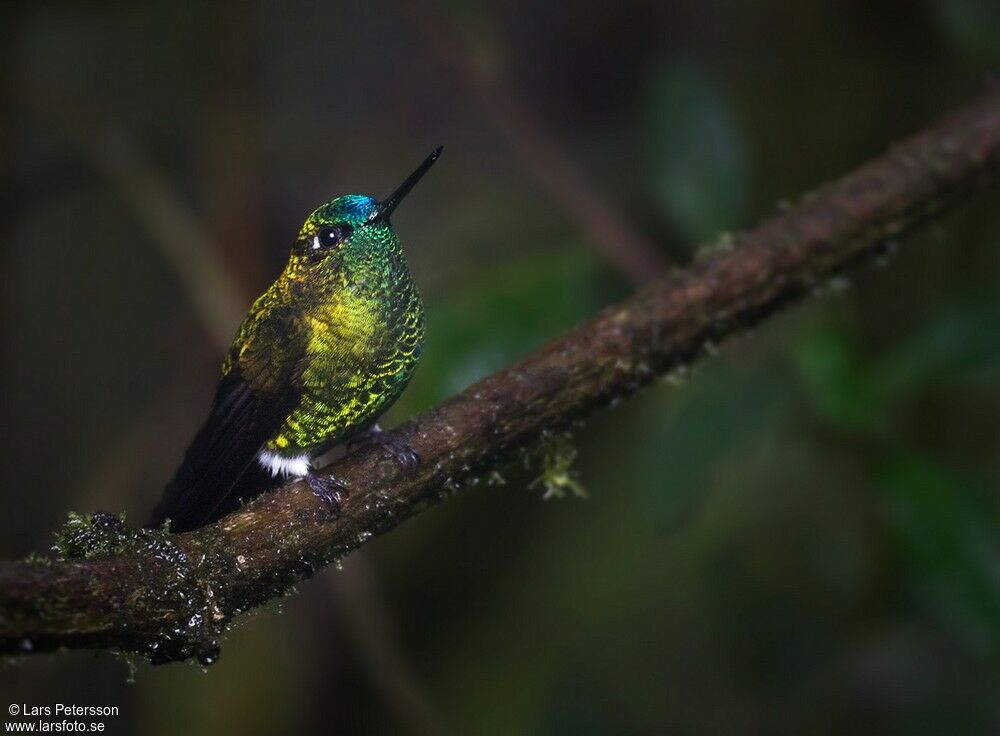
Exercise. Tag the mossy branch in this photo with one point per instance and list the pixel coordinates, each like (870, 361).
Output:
(171, 596)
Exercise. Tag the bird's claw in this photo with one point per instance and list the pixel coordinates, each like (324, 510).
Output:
(404, 454)
(331, 490)
(400, 450)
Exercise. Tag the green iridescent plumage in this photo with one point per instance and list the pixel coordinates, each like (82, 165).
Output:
(321, 354)
(349, 323)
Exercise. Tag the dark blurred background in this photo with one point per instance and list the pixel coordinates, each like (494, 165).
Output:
(801, 536)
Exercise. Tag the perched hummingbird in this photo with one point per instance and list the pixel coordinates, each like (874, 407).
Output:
(320, 356)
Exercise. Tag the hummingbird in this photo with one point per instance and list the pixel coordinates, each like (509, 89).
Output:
(322, 353)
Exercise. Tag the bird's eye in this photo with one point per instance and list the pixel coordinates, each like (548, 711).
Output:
(328, 237)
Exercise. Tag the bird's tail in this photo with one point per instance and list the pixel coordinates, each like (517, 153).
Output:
(185, 517)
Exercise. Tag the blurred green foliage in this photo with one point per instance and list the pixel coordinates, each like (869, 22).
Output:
(696, 159)
(948, 536)
(973, 25)
(714, 415)
(949, 539)
(520, 308)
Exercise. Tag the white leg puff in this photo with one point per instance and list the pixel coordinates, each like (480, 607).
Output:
(297, 466)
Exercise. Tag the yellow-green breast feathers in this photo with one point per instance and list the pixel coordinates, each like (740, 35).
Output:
(321, 354)
(348, 340)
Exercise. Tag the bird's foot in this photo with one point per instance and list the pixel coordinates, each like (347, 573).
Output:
(404, 454)
(330, 489)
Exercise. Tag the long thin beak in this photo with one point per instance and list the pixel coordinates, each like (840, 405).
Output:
(387, 205)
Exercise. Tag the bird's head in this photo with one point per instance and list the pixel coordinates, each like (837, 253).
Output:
(355, 227)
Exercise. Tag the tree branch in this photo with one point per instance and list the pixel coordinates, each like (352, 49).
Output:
(171, 596)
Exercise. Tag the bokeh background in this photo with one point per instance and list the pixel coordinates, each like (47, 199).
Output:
(801, 536)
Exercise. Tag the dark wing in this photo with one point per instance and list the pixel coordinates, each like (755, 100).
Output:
(251, 403)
